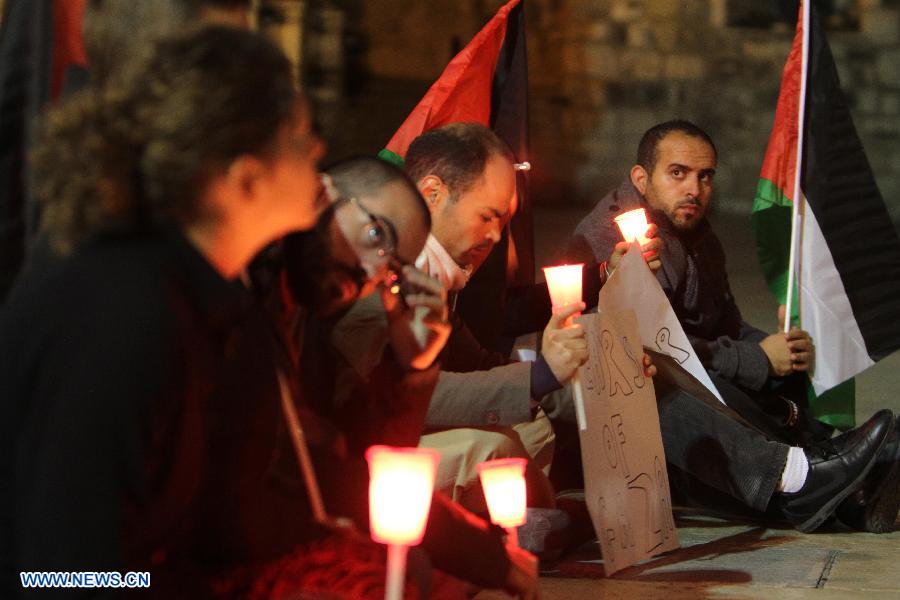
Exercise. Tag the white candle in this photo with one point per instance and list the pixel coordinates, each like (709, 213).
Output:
(401, 481)
(633, 225)
(503, 482)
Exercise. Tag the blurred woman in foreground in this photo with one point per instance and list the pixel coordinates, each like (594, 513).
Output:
(140, 395)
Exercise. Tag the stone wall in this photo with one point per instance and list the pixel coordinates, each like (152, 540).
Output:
(602, 71)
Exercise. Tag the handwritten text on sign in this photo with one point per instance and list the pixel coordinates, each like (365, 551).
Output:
(626, 485)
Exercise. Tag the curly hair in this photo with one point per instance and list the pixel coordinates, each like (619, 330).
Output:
(138, 150)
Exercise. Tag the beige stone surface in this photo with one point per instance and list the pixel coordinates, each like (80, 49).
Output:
(719, 559)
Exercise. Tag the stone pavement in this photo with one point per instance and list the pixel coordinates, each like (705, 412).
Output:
(739, 559)
(729, 559)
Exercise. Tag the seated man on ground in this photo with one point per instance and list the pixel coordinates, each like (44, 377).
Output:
(761, 376)
(374, 383)
(752, 468)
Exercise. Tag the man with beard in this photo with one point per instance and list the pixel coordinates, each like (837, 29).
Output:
(466, 178)
(374, 383)
(761, 376)
(484, 406)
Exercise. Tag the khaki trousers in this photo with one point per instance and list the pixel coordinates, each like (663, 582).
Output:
(462, 449)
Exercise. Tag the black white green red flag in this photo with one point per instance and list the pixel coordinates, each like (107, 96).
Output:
(844, 254)
(487, 83)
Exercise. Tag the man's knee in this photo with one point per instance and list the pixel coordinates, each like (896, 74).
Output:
(462, 450)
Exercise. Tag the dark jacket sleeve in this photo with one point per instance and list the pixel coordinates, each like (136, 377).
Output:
(740, 361)
(464, 545)
(375, 399)
(735, 355)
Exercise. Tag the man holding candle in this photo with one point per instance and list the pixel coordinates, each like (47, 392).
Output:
(760, 376)
(484, 406)
(370, 372)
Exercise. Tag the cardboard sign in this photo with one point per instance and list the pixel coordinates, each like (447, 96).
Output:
(633, 286)
(626, 484)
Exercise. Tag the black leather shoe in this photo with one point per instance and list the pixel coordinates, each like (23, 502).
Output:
(837, 473)
(873, 507)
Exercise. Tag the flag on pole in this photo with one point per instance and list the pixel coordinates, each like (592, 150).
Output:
(816, 183)
(39, 40)
(487, 83)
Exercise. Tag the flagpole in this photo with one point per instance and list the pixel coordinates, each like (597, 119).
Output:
(796, 215)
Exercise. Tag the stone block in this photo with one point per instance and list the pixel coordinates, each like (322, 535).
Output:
(640, 65)
(584, 92)
(586, 10)
(766, 50)
(664, 10)
(852, 74)
(718, 13)
(639, 35)
(890, 104)
(684, 66)
(601, 61)
(875, 127)
(888, 67)
(598, 31)
(625, 11)
(571, 57)
(666, 38)
(881, 24)
(865, 101)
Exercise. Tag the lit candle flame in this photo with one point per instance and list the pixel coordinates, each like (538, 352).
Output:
(400, 487)
(503, 481)
(633, 225)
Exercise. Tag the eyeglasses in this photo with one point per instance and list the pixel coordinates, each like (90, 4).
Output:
(379, 235)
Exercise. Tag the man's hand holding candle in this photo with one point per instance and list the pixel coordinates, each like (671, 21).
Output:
(564, 347)
(650, 250)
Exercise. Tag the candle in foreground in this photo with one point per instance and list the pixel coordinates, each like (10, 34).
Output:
(633, 225)
(503, 482)
(564, 283)
(400, 486)
(401, 481)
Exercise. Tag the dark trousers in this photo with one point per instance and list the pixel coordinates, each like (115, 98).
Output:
(766, 409)
(703, 441)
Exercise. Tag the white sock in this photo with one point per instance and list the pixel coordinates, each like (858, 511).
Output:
(795, 470)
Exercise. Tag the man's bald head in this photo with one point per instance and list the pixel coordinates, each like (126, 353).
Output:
(346, 256)
(386, 192)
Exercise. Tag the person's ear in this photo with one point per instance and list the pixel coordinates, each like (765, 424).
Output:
(433, 190)
(639, 178)
(245, 176)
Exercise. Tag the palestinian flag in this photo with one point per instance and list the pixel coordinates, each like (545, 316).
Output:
(847, 255)
(39, 41)
(487, 83)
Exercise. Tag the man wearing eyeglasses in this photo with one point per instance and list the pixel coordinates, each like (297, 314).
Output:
(372, 382)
